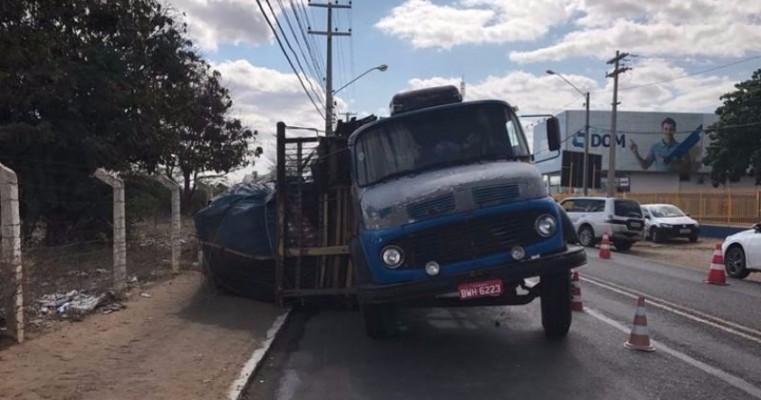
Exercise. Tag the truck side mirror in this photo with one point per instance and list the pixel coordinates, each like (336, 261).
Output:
(553, 134)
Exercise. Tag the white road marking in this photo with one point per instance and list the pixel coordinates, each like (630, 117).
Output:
(739, 383)
(695, 315)
(256, 357)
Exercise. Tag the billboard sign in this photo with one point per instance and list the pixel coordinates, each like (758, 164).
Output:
(645, 141)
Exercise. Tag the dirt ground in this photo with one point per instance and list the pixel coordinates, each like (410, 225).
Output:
(182, 342)
(696, 256)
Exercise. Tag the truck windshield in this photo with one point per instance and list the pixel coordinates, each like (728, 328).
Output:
(437, 139)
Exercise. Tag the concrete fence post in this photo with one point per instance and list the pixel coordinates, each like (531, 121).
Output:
(176, 225)
(10, 230)
(120, 231)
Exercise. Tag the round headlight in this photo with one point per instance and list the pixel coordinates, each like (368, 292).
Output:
(432, 268)
(546, 225)
(392, 256)
(517, 253)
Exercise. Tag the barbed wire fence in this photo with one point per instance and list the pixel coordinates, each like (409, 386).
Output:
(137, 238)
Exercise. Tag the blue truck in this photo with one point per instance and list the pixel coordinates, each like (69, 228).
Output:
(437, 205)
(450, 211)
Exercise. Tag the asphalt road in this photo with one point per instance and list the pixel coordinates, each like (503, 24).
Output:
(707, 338)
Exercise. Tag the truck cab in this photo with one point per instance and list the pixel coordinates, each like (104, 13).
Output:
(451, 212)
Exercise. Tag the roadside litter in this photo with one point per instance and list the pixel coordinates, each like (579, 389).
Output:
(74, 304)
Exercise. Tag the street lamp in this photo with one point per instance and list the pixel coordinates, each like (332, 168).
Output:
(380, 68)
(330, 94)
(586, 130)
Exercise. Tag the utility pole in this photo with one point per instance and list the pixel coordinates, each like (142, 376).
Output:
(612, 155)
(586, 149)
(329, 33)
(348, 115)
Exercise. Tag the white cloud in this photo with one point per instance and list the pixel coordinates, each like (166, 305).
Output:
(213, 22)
(714, 28)
(262, 97)
(597, 28)
(540, 94)
(426, 24)
(699, 93)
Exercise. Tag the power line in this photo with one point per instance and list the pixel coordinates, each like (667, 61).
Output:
(288, 43)
(329, 33)
(567, 104)
(341, 75)
(298, 43)
(692, 74)
(312, 39)
(308, 40)
(280, 43)
(351, 51)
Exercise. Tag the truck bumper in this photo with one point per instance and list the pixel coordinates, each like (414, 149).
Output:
(562, 262)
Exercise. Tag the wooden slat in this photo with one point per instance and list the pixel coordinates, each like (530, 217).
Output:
(317, 251)
(318, 292)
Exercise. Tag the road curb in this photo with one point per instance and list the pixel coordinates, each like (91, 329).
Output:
(253, 363)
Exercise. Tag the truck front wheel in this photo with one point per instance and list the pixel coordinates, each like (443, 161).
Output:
(556, 304)
(378, 319)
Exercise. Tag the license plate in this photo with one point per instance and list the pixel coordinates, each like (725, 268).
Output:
(636, 225)
(473, 290)
(684, 231)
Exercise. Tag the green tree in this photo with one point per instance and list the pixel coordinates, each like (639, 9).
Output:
(91, 83)
(206, 139)
(735, 148)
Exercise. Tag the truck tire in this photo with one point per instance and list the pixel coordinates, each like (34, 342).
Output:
(556, 304)
(378, 319)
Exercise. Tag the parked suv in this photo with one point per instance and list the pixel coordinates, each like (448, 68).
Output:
(594, 216)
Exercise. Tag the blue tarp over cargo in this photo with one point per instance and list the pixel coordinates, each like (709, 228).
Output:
(242, 219)
(237, 232)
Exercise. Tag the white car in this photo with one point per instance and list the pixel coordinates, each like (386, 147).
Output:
(594, 216)
(664, 221)
(742, 252)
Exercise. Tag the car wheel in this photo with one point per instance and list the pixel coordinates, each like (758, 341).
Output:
(586, 236)
(655, 235)
(556, 304)
(693, 238)
(623, 246)
(734, 263)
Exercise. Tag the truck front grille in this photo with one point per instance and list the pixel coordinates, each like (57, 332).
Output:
(496, 194)
(470, 239)
(431, 207)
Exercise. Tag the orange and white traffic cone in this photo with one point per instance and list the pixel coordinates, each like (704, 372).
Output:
(716, 274)
(639, 339)
(604, 247)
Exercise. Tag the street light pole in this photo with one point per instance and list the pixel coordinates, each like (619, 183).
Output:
(380, 68)
(586, 150)
(585, 167)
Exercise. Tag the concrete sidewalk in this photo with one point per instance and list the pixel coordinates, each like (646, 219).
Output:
(183, 342)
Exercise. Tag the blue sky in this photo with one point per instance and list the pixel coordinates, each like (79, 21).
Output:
(501, 47)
